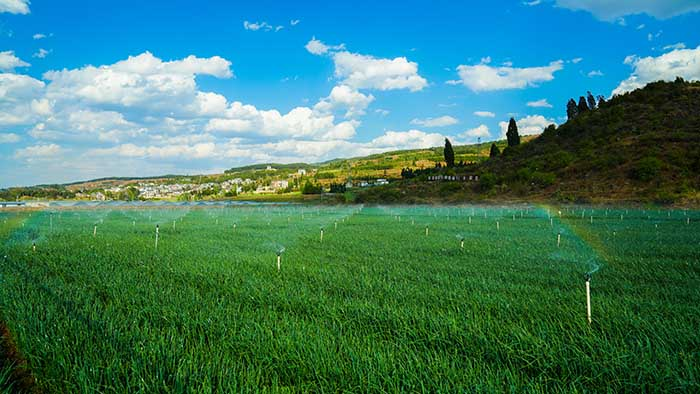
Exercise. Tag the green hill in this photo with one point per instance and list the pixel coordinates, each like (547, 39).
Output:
(643, 146)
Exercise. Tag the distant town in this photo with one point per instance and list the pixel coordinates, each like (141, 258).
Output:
(285, 182)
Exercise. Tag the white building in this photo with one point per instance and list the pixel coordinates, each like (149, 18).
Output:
(279, 185)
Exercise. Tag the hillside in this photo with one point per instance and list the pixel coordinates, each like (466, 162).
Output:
(382, 165)
(643, 146)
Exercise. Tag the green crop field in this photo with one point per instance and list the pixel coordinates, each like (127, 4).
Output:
(380, 304)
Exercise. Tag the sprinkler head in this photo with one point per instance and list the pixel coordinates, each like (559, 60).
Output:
(587, 276)
(279, 254)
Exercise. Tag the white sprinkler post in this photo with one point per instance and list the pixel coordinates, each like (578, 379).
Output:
(461, 243)
(498, 225)
(588, 297)
(94, 231)
(470, 220)
(33, 246)
(426, 231)
(558, 239)
(157, 230)
(279, 261)
(321, 234)
(551, 222)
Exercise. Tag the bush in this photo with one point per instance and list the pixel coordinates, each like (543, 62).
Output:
(487, 181)
(647, 169)
(310, 188)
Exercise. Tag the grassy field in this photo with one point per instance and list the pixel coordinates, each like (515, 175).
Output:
(377, 305)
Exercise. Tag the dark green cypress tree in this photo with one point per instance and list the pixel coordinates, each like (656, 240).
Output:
(449, 154)
(571, 109)
(582, 105)
(591, 100)
(512, 134)
(495, 152)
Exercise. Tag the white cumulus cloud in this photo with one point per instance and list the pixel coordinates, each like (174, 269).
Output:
(41, 53)
(38, 151)
(8, 61)
(481, 131)
(9, 138)
(14, 6)
(368, 72)
(539, 104)
(683, 63)
(482, 77)
(485, 114)
(529, 125)
(441, 121)
(610, 11)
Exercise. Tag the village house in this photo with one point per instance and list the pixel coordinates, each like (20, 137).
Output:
(460, 178)
(279, 185)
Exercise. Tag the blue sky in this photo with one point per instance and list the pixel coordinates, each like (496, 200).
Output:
(132, 88)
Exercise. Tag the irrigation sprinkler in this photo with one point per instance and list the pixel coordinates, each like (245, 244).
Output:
(336, 225)
(558, 239)
(587, 277)
(173, 224)
(551, 222)
(470, 220)
(498, 225)
(461, 243)
(157, 231)
(591, 219)
(279, 261)
(94, 231)
(687, 221)
(426, 231)
(33, 246)
(321, 234)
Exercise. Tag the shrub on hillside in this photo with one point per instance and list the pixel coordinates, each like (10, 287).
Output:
(646, 169)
